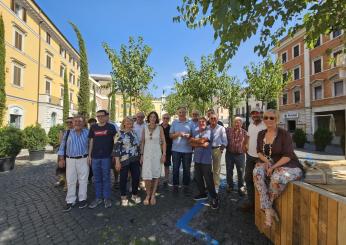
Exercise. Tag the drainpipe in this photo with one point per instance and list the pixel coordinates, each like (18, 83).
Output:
(39, 70)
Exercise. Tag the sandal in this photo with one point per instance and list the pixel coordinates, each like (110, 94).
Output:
(268, 218)
(146, 201)
(153, 200)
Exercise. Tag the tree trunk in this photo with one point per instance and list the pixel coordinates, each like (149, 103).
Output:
(230, 116)
(130, 110)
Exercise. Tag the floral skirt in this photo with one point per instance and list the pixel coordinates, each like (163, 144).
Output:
(270, 188)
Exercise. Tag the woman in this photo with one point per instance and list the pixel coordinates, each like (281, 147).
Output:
(153, 156)
(126, 155)
(277, 164)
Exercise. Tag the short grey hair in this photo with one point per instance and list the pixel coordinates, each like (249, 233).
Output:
(238, 119)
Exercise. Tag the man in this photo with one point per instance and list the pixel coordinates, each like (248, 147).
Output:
(100, 151)
(219, 143)
(139, 125)
(209, 112)
(235, 154)
(251, 157)
(194, 119)
(61, 172)
(75, 147)
(166, 127)
(180, 133)
(203, 159)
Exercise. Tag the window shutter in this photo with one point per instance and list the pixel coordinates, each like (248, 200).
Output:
(12, 5)
(24, 14)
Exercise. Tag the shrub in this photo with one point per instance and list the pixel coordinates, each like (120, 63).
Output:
(299, 137)
(35, 138)
(54, 134)
(322, 137)
(11, 141)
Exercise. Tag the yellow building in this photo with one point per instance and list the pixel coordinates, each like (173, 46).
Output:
(37, 56)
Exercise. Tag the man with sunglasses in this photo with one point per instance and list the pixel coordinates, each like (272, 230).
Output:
(166, 127)
(100, 154)
(61, 172)
(255, 127)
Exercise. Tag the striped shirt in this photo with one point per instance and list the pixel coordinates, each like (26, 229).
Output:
(77, 144)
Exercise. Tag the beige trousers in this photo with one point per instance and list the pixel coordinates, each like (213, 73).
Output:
(216, 154)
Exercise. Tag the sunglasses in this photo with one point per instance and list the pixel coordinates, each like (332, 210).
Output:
(101, 116)
(269, 118)
(213, 118)
(68, 121)
(166, 118)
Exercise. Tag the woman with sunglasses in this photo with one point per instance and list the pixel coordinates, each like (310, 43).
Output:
(277, 165)
(153, 151)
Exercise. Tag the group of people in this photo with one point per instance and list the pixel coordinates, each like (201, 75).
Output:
(263, 156)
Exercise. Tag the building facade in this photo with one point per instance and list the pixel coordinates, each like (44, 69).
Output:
(37, 57)
(316, 92)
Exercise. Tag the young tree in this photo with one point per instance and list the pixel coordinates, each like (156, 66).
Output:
(112, 104)
(265, 80)
(93, 103)
(230, 95)
(84, 90)
(66, 99)
(2, 71)
(201, 85)
(234, 22)
(130, 70)
(145, 103)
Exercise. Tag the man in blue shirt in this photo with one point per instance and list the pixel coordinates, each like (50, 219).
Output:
(180, 132)
(203, 159)
(76, 153)
(100, 151)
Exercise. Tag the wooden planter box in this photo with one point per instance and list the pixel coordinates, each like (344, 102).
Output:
(308, 215)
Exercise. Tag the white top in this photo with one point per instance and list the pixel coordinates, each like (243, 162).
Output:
(151, 168)
(252, 132)
(138, 129)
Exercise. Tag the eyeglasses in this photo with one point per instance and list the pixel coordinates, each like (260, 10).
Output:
(100, 116)
(166, 118)
(269, 118)
(213, 118)
(68, 122)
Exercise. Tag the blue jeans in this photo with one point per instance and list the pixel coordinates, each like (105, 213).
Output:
(101, 170)
(178, 159)
(239, 161)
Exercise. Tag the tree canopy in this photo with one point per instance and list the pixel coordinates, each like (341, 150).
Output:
(236, 21)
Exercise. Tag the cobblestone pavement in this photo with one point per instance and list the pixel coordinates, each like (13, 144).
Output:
(30, 213)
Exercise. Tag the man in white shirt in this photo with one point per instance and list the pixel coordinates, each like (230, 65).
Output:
(138, 126)
(255, 127)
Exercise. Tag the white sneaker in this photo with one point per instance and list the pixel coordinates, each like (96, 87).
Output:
(124, 202)
(136, 199)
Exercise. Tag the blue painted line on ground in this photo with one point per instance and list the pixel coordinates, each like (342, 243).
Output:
(183, 222)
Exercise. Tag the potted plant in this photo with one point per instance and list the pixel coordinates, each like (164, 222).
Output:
(54, 136)
(299, 137)
(11, 144)
(322, 137)
(35, 140)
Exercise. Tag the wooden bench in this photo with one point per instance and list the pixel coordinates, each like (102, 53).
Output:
(308, 215)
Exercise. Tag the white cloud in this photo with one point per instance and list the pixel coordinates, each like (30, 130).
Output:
(180, 74)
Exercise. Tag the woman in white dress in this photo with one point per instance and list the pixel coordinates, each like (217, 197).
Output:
(153, 155)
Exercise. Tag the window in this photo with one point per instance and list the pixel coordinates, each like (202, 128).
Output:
(296, 73)
(62, 71)
(70, 59)
(243, 110)
(48, 87)
(339, 88)
(17, 75)
(318, 42)
(72, 78)
(19, 10)
(317, 66)
(78, 82)
(284, 99)
(337, 58)
(18, 39)
(48, 61)
(71, 97)
(336, 33)
(15, 120)
(296, 96)
(285, 77)
(53, 119)
(237, 111)
(62, 52)
(296, 51)
(284, 57)
(47, 38)
(318, 92)
(62, 92)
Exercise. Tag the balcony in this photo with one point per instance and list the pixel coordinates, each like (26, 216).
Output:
(53, 100)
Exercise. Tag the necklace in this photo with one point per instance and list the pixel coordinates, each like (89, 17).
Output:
(151, 130)
(270, 145)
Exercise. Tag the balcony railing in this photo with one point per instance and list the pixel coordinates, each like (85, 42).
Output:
(53, 100)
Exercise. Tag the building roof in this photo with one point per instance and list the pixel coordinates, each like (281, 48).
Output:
(103, 77)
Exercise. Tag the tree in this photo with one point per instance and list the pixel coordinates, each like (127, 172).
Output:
(201, 85)
(93, 103)
(112, 104)
(265, 80)
(84, 90)
(234, 21)
(130, 72)
(230, 95)
(2, 71)
(145, 103)
(66, 100)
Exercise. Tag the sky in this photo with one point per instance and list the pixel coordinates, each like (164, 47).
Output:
(114, 21)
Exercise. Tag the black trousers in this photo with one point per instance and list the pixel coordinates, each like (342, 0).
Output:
(133, 167)
(250, 165)
(204, 176)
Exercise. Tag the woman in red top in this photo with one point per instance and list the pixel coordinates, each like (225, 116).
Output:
(277, 164)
